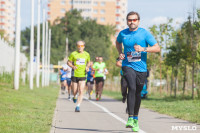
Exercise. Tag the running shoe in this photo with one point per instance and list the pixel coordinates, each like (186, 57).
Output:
(77, 109)
(90, 98)
(135, 126)
(91, 92)
(74, 99)
(97, 99)
(69, 98)
(129, 123)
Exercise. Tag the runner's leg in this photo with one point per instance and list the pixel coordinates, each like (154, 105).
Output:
(81, 91)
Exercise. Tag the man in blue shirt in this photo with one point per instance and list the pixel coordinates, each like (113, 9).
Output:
(135, 41)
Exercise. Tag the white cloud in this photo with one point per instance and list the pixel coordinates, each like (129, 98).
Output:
(161, 20)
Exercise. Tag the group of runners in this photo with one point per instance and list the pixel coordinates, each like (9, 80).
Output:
(84, 74)
(137, 42)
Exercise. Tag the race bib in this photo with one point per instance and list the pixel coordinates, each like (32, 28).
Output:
(133, 56)
(64, 76)
(80, 61)
(100, 71)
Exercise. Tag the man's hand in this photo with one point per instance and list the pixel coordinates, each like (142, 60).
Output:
(87, 69)
(74, 67)
(121, 56)
(138, 48)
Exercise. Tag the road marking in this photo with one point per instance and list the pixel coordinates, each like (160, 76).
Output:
(113, 115)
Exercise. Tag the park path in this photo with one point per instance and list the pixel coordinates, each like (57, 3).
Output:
(109, 116)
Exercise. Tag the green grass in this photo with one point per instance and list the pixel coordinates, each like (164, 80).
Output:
(183, 108)
(25, 110)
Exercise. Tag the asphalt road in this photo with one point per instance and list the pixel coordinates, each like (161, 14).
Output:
(109, 116)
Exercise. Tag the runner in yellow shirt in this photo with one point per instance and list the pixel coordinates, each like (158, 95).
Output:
(79, 62)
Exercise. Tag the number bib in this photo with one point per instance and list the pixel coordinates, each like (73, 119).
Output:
(100, 71)
(133, 56)
(80, 61)
(64, 76)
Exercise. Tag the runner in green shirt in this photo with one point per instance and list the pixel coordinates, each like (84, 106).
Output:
(79, 62)
(99, 68)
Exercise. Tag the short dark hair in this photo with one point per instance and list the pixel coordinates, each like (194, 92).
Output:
(133, 13)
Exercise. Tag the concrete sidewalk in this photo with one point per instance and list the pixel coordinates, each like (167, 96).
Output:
(108, 116)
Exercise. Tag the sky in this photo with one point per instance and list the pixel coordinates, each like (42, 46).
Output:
(151, 11)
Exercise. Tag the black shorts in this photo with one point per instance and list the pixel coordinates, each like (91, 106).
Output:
(91, 82)
(99, 79)
(77, 79)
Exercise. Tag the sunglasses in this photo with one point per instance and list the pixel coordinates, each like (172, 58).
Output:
(134, 20)
(80, 46)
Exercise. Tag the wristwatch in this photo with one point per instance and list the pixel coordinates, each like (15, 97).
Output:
(145, 49)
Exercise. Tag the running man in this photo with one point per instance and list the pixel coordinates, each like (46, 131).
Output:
(135, 41)
(99, 69)
(80, 59)
(124, 85)
(90, 80)
(63, 74)
(68, 80)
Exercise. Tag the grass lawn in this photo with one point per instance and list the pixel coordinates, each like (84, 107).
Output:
(25, 110)
(186, 108)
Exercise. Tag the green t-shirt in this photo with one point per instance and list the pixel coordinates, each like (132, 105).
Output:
(80, 60)
(101, 67)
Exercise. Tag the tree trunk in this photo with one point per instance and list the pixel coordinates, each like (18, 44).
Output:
(184, 80)
(150, 79)
(175, 86)
(167, 82)
(193, 80)
(171, 81)
(160, 73)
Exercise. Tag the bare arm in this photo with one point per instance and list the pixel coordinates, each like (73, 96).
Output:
(119, 49)
(69, 63)
(119, 64)
(153, 49)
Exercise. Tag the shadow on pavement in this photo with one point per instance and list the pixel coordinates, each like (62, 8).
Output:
(95, 130)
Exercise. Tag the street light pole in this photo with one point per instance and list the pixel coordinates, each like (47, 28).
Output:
(32, 46)
(38, 48)
(17, 47)
(43, 46)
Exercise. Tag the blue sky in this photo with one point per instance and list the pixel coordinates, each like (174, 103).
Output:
(151, 11)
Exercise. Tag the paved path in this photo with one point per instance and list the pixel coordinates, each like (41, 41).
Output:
(108, 116)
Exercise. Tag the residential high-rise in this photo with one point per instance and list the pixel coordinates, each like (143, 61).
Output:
(7, 19)
(112, 12)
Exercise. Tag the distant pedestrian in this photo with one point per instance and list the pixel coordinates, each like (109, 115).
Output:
(99, 69)
(90, 80)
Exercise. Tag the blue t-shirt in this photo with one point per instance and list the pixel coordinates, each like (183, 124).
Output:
(63, 75)
(90, 74)
(142, 37)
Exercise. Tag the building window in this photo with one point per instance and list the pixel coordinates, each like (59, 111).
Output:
(63, 2)
(95, 3)
(102, 19)
(62, 10)
(95, 18)
(118, 4)
(95, 11)
(103, 3)
(117, 18)
(102, 11)
(117, 11)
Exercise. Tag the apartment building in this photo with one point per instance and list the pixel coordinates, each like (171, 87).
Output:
(7, 19)
(105, 12)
